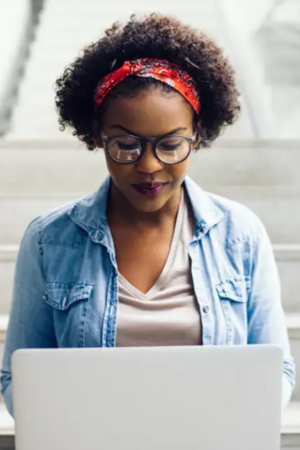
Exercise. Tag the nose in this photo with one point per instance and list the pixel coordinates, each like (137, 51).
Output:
(148, 162)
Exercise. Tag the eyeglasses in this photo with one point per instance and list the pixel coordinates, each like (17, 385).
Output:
(127, 148)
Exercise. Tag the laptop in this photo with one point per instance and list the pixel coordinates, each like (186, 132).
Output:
(153, 398)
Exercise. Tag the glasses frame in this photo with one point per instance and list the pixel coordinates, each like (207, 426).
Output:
(142, 141)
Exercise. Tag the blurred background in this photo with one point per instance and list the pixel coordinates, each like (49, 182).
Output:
(256, 161)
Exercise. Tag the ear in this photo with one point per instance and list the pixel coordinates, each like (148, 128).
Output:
(97, 135)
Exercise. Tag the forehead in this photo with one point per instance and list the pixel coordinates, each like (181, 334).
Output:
(150, 113)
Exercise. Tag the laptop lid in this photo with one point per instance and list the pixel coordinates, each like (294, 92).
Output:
(158, 398)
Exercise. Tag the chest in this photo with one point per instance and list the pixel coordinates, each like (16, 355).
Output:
(84, 302)
(141, 256)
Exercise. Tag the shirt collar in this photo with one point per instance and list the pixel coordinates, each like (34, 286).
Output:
(90, 212)
(206, 213)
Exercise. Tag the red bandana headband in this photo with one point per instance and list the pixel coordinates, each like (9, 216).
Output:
(159, 69)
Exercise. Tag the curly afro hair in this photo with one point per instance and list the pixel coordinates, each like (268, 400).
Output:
(153, 36)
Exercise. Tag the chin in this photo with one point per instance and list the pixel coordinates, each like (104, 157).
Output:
(149, 206)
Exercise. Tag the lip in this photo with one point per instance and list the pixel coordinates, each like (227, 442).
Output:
(149, 189)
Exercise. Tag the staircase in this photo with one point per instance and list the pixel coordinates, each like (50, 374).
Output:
(39, 175)
(66, 26)
(14, 44)
(41, 168)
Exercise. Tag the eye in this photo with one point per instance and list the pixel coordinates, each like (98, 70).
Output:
(169, 147)
(124, 143)
(126, 146)
(171, 144)
(124, 149)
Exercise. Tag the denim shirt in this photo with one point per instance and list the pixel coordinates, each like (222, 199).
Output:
(66, 281)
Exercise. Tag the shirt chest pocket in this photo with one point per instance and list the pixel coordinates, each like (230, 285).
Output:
(70, 303)
(233, 294)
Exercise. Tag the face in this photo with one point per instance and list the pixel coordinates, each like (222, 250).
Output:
(150, 114)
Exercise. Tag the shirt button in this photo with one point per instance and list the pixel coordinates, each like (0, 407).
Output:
(206, 309)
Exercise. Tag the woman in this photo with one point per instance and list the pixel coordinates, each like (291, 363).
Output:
(150, 259)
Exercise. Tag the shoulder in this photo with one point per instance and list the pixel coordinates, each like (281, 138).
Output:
(228, 221)
(56, 227)
(239, 223)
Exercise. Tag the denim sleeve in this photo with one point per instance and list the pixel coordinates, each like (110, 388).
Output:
(266, 318)
(30, 322)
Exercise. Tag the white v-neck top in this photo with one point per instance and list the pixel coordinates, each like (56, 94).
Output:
(168, 314)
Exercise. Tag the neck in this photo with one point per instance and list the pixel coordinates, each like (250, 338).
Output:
(121, 211)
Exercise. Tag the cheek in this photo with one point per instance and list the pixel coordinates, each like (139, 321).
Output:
(179, 171)
(118, 171)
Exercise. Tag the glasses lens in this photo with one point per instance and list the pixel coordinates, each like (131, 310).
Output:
(172, 149)
(124, 149)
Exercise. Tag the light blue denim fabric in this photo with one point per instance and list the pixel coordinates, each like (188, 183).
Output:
(66, 281)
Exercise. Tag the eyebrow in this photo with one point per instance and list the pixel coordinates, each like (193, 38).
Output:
(120, 127)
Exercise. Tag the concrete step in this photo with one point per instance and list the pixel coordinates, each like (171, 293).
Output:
(46, 125)
(41, 165)
(263, 176)
(293, 325)
(287, 257)
(207, 8)
(288, 262)
(117, 10)
(17, 213)
(67, 4)
(290, 429)
(104, 18)
(277, 206)
(3, 328)
(279, 209)
(28, 167)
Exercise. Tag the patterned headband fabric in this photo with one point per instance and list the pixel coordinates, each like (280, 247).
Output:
(159, 69)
